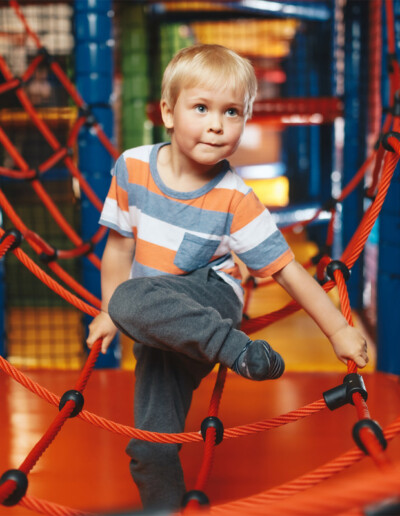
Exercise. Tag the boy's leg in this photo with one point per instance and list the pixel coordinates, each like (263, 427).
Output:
(164, 385)
(196, 314)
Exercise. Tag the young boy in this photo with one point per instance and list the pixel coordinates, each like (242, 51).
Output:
(176, 212)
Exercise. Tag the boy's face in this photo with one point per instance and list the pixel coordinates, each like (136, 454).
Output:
(206, 124)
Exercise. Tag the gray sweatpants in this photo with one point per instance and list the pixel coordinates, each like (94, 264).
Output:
(182, 326)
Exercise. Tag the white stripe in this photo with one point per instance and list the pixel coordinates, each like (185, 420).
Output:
(231, 181)
(141, 153)
(113, 214)
(162, 233)
(255, 232)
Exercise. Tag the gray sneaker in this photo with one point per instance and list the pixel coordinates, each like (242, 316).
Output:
(258, 361)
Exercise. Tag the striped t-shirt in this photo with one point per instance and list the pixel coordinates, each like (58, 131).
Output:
(179, 232)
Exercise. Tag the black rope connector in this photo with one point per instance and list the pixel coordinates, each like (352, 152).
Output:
(213, 422)
(69, 152)
(385, 143)
(251, 282)
(45, 53)
(17, 238)
(48, 258)
(76, 397)
(86, 112)
(342, 394)
(195, 495)
(90, 248)
(368, 195)
(330, 204)
(355, 383)
(391, 57)
(335, 265)
(36, 176)
(388, 507)
(374, 427)
(20, 82)
(324, 250)
(21, 482)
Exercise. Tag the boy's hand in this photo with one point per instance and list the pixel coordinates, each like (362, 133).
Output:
(101, 327)
(348, 343)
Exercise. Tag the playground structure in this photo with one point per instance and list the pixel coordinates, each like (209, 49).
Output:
(368, 148)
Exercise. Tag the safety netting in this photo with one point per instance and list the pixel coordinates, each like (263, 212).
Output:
(23, 166)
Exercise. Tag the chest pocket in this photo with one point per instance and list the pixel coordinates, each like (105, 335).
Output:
(195, 252)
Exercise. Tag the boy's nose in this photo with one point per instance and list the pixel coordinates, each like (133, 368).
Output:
(215, 124)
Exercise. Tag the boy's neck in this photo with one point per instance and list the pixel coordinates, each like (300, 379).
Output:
(181, 174)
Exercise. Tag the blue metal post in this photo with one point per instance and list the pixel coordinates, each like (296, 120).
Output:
(388, 286)
(355, 115)
(94, 79)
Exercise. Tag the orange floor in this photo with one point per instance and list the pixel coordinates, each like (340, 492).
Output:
(86, 467)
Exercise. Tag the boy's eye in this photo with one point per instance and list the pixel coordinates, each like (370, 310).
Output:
(232, 112)
(201, 108)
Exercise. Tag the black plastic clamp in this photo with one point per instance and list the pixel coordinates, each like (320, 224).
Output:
(86, 112)
(21, 482)
(387, 507)
(36, 176)
(376, 429)
(69, 151)
(195, 495)
(342, 394)
(367, 195)
(384, 141)
(318, 257)
(335, 265)
(213, 422)
(90, 249)
(76, 397)
(330, 204)
(251, 282)
(48, 258)
(17, 236)
(45, 53)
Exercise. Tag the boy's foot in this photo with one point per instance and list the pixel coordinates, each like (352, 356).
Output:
(258, 361)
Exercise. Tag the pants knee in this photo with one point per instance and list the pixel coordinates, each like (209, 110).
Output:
(127, 300)
(145, 454)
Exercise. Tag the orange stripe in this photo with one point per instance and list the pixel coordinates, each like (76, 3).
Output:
(275, 266)
(233, 271)
(250, 208)
(156, 257)
(118, 194)
(139, 174)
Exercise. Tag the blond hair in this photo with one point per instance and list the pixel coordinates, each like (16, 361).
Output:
(212, 66)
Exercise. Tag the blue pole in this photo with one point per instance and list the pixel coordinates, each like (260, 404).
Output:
(388, 281)
(94, 79)
(355, 116)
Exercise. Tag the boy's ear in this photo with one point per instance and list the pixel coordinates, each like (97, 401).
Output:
(167, 114)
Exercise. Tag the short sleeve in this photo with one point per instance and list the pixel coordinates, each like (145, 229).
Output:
(115, 213)
(256, 239)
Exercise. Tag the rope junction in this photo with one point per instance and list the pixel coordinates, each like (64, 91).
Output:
(370, 439)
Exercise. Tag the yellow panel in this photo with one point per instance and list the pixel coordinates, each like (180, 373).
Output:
(267, 38)
(45, 337)
(271, 192)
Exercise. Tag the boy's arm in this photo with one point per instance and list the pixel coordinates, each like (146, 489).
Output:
(115, 268)
(347, 341)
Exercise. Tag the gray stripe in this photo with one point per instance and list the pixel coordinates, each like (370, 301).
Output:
(266, 252)
(110, 225)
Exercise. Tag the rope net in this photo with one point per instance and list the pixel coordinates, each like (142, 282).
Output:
(22, 166)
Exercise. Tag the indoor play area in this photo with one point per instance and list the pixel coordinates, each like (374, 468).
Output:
(80, 82)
